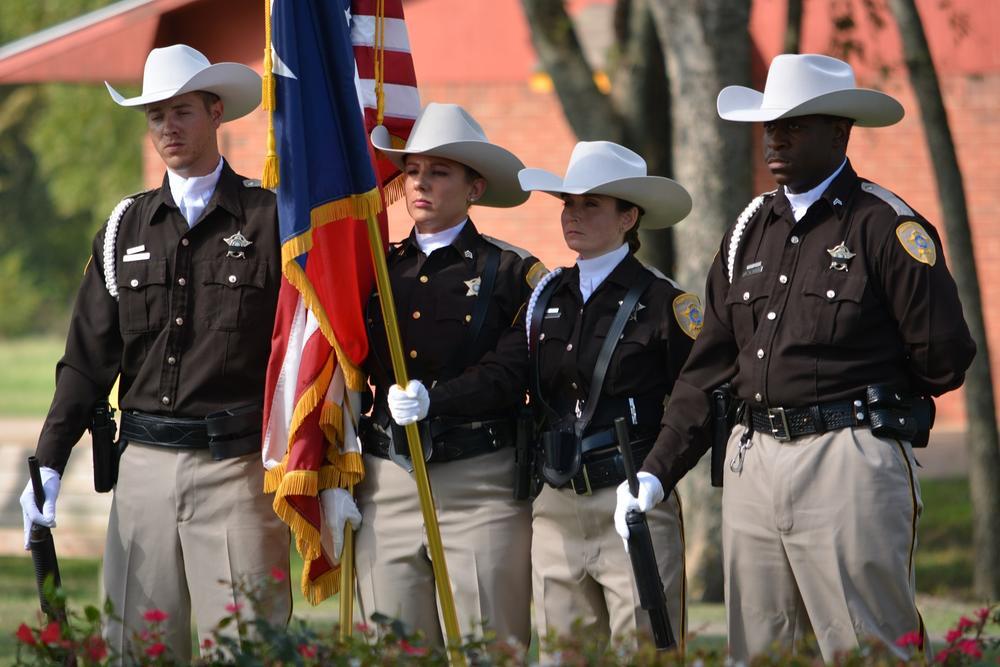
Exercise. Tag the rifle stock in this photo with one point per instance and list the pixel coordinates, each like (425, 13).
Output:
(43, 548)
(641, 553)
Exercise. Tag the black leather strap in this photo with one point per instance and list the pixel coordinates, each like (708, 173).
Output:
(788, 423)
(483, 299)
(600, 472)
(456, 443)
(537, 315)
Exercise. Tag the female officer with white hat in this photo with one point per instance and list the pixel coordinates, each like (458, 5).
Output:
(579, 568)
(456, 291)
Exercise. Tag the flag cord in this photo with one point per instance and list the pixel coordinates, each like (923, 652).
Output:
(379, 61)
(269, 177)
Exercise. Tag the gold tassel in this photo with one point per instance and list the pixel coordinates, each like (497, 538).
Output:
(269, 178)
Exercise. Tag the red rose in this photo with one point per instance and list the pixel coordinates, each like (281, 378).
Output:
(51, 634)
(96, 649)
(983, 613)
(410, 649)
(25, 635)
(909, 639)
(207, 644)
(233, 607)
(278, 575)
(156, 616)
(155, 650)
(953, 635)
(307, 651)
(965, 623)
(970, 647)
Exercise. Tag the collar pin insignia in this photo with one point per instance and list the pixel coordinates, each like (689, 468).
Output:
(841, 255)
(468, 254)
(837, 202)
(237, 245)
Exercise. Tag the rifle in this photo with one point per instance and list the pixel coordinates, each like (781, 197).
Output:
(640, 551)
(43, 549)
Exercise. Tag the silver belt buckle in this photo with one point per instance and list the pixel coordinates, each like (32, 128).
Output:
(779, 413)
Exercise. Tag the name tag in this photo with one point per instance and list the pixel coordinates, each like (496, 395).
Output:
(754, 268)
(136, 257)
(551, 313)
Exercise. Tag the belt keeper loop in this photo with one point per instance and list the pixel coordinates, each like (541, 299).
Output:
(817, 417)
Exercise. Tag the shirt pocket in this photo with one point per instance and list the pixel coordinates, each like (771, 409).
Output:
(235, 294)
(746, 300)
(832, 305)
(142, 296)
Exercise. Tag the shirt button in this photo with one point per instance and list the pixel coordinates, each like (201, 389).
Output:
(541, 336)
(413, 354)
(760, 354)
(165, 400)
(757, 397)
(772, 315)
(232, 279)
(181, 282)
(746, 296)
(172, 361)
(573, 384)
(782, 279)
(424, 279)
(179, 321)
(416, 314)
(185, 242)
(468, 318)
(830, 294)
(134, 282)
(794, 240)
(569, 347)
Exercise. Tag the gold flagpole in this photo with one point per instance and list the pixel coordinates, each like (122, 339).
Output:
(347, 580)
(441, 579)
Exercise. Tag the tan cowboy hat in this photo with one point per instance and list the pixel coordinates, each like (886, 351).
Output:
(605, 168)
(806, 84)
(448, 131)
(178, 69)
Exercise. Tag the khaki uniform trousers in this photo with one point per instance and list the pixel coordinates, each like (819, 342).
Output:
(487, 545)
(582, 573)
(818, 536)
(182, 528)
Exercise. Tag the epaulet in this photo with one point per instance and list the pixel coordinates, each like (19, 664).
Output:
(503, 245)
(741, 224)
(897, 204)
(251, 183)
(659, 274)
(533, 299)
(111, 240)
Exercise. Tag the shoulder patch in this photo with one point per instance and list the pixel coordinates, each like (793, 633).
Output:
(689, 314)
(897, 204)
(251, 183)
(503, 245)
(535, 273)
(917, 242)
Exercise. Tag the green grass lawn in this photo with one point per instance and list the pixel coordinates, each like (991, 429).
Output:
(29, 375)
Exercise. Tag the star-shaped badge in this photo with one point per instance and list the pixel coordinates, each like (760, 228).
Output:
(634, 317)
(473, 286)
(841, 255)
(237, 244)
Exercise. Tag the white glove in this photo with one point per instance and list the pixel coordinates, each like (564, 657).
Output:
(650, 493)
(339, 508)
(29, 510)
(408, 405)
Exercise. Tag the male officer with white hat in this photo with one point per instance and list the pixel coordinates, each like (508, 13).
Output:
(830, 310)
(179, 299)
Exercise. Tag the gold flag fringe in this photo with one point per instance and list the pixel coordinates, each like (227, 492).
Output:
(394, 190)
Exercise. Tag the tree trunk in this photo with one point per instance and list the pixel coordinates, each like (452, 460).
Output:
(707, 47)
(981, 437)
(793, 27)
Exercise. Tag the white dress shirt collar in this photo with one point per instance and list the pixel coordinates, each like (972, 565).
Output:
(430, 242)
(593, 271)
(193, 194)
(802, 201)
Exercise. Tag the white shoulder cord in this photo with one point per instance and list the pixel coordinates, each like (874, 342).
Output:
(545, 280)
(110, 241)
(741, 224)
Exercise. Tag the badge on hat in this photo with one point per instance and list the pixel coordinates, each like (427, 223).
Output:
(689, 315)
(237, 245)
(473, 286)
(841, 255)
(917, 242)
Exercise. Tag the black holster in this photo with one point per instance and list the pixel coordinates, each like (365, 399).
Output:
(897, 416)
(106, 454)
(562, 454)
(725, 412)
(525, 482)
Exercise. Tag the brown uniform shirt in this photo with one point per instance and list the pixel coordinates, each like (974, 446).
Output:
(190, 332)
(647, 358)
(435, 296)
(793, 330)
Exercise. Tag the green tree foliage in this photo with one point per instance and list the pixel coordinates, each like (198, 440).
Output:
(68, 155)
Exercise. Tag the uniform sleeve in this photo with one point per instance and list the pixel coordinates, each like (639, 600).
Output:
(88, 368)
(923, 299)
(685, 431)
(498, 381)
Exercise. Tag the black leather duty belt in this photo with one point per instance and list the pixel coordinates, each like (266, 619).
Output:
(227, 434)
(787, 423)
(451, 443)
(606, 468)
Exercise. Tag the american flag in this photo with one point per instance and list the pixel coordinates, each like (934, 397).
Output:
(325, 106)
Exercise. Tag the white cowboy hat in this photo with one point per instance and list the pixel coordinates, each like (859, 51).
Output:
(178, 69)
(806, 84)
(605, 168)
(448, 131)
